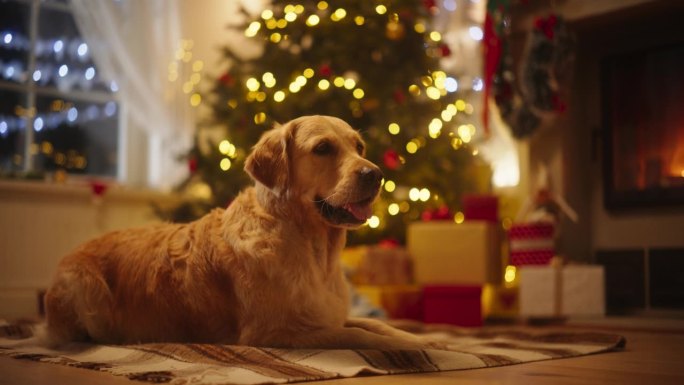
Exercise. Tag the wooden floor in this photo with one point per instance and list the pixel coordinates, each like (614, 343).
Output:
(652, 356)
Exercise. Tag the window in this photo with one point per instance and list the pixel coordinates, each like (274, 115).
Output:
(56, 111)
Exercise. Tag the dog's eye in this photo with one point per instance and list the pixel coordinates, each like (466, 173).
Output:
(360, 148)
(323, 148)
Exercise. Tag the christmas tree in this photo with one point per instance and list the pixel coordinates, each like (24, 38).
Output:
(374, 64)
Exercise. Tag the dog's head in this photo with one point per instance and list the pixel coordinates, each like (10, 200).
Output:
(319, 162)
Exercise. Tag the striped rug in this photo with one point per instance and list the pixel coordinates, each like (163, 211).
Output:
(225, 364)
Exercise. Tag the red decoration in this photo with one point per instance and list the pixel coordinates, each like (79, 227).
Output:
(325, 70)
(444, 50)
(399, 96)
(493, 48)
(440, 214)
(192, 164)
(558, 104)
(391, 159)
(98, 188)
(227, 79)
(443, 213)
(389, 243)
(547, 26)
(430, 5)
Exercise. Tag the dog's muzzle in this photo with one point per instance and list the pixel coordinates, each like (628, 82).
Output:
(358, 209)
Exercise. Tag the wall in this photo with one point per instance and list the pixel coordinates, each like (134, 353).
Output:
(211, 32)
(40, 223)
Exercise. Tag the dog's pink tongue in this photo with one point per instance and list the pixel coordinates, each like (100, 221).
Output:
(359, 211)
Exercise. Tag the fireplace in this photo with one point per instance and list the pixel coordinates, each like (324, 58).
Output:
(643, 113)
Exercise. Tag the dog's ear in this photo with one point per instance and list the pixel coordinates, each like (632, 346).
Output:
(269, 161)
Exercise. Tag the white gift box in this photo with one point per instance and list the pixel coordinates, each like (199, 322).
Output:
(562, 291)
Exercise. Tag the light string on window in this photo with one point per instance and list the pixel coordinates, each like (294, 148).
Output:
(64, 62)
(60, 113)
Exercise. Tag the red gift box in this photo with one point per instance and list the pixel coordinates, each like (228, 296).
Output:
(455, 305)
(481, 207)
(531, 243)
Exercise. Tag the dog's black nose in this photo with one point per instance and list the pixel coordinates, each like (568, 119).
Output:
(370, 177)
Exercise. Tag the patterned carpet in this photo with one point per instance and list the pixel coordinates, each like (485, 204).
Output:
(225, 364)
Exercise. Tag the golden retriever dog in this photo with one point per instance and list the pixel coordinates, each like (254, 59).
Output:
(263, 272)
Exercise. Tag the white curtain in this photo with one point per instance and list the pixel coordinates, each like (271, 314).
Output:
(133, 43)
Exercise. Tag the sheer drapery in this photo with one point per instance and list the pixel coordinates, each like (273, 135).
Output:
(133, 43)
(462, 30)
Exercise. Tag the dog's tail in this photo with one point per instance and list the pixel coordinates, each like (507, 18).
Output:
(78, 308)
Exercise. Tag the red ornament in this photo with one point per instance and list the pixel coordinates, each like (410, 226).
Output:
(98, 188)
(539, 23)
(389, 243)
(391, 159)
(192, 164)
(444, 50)
(227, 80)
(442, 213)
(399, 96)
(430, 5)
(552, 20)
(546, 26)
(325, 70)
(558, 103)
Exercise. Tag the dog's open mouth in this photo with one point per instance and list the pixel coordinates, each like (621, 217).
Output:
(351, 213)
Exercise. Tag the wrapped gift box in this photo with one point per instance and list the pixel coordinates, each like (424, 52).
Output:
(399, 301)
(562, 291)
(481, 207)
(455, 305)
(448, 253)
(378, 265)
(531, 243)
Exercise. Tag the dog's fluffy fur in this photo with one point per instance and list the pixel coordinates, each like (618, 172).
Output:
(263, 272)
